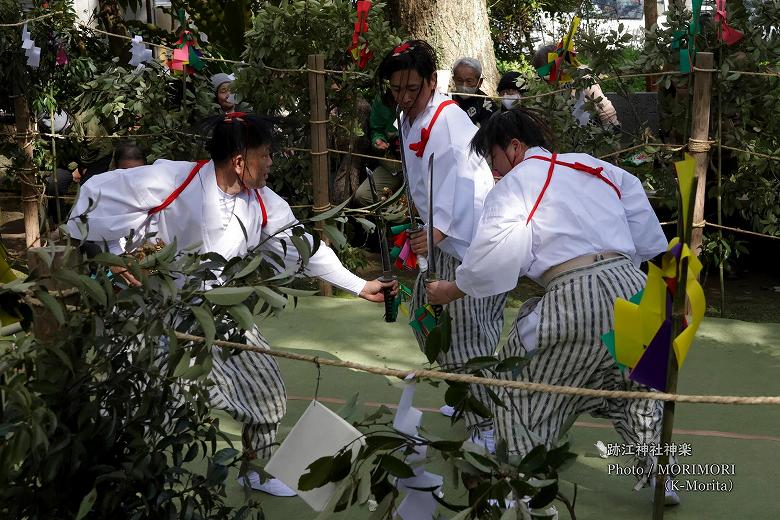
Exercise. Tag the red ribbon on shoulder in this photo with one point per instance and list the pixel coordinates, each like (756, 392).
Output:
(425, 133)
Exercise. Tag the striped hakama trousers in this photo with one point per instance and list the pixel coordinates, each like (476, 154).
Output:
(250, 388)
(575, 311)
(476, 329)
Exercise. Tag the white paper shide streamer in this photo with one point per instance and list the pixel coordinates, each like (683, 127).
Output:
(139, 54)
(32, 52)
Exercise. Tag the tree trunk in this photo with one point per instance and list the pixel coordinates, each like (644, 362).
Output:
(651, 18)
(455, 28)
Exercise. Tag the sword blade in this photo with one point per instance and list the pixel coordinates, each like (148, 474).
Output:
(403, 168)
(387, 269)
(431, 276)
(414, 225)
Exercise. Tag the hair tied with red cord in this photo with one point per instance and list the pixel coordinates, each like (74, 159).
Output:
(230, 116)
(402, 48)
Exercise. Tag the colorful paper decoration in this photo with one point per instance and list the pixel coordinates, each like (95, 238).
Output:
(402, 253)
(31, 51)
(62, 56)
(402, 300)
(642, 337)
(688, 53)
(360, 51)
(728, 35)
(186, 56)
(424, 319)
(564, 53)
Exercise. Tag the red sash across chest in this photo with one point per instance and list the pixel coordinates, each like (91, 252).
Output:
(419, 147)
(175, 194)
(596, 172)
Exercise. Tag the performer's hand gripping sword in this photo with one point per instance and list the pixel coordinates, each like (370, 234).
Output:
(414, 225)
(431, 275)
(387, 265)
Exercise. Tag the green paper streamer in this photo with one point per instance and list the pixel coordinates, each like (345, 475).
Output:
(400, 228)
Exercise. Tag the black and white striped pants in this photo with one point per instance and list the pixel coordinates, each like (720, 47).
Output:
(250, 388)
(574, 312)
(476, 328)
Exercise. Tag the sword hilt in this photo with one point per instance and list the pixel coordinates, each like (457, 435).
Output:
(390, 315)
(433, 277)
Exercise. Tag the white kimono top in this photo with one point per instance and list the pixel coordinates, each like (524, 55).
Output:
(461, 178)
(202, 218)
(580, 213)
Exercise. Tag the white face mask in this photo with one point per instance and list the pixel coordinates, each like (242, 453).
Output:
(509, 100)
(463, 89)
(231, 99)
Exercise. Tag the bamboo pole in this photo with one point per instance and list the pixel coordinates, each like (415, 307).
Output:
(688, 235)
(30, 199)
(319, 146)
(700, 131)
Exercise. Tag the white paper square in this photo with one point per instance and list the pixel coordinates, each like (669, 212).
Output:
(318, 433)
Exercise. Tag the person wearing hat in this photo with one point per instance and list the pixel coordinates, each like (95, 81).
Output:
(223, 94)
(511, 88)
(467, 79)
(606, 113)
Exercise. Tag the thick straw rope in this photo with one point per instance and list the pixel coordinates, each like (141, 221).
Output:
(503, 383)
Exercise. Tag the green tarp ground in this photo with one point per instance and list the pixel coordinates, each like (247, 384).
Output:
(728, 358)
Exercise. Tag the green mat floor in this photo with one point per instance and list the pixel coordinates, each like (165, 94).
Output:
(728, 358)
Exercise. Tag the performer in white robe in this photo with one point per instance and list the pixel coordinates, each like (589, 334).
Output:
(579, 227)
(199, 205)
(434, 124)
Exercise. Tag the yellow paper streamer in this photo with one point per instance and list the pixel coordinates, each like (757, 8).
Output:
(636, 325)
(686, 177)
(682, 343)
(629, 344)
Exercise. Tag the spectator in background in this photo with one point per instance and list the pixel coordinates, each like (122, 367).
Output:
(222, 94)
(511, 88)
(604, 109)
(384, 141)
(467, 79)
(127, 155)
(85, 152)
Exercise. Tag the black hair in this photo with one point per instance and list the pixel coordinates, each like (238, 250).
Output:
(523, 124)
(235, 133)
(128, 151)
(415, 55)
(540, 58)
(509, 82)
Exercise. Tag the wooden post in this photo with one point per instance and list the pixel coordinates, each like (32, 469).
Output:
(651, 18)
(319, 146)
(679, 306)
(698, 144)
(30, 202)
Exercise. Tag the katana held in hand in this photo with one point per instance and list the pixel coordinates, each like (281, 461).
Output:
(431, 275)
(387, 265)
(414, 224)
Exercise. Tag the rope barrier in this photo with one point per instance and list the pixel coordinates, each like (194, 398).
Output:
(765, 156)
(698, 145)
(28, 20)
(674, 147)
(379, 157)
(501, 383)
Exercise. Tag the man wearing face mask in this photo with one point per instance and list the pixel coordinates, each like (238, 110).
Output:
(467, 79)
(224, 96)
(511, 88)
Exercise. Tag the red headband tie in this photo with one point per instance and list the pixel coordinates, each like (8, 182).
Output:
(402, 48)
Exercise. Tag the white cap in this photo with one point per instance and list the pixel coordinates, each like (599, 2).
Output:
(219, 79)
